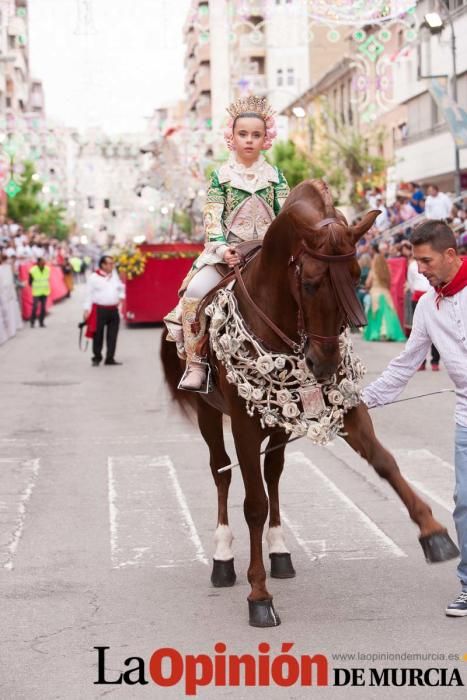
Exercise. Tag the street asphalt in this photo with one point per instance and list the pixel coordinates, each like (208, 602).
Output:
(107, 515)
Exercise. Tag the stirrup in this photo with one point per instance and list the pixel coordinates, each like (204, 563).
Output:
(205, 387)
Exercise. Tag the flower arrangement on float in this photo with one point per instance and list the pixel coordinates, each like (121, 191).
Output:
(131, 262)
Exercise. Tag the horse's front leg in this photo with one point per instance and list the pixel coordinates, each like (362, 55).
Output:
(210, 424)
(434, 538)
(248, 435)
(281, 561)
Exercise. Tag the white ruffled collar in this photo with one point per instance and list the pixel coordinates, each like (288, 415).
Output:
(255, 176)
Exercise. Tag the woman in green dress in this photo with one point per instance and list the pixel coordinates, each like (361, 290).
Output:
(383, 322)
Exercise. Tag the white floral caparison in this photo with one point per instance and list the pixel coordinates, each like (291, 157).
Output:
(270, 382)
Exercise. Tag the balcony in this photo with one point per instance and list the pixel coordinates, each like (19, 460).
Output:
(203, 80)
(203, 52)
(203, 110)
(252, 44)
(420, 135)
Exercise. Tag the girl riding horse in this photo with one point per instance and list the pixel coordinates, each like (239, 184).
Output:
(244, 196)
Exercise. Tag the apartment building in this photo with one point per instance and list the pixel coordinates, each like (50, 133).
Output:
(235, 48)
(424, 146)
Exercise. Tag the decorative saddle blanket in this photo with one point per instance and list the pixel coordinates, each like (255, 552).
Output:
(279, 387)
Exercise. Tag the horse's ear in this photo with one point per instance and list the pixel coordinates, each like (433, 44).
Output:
(364, 225)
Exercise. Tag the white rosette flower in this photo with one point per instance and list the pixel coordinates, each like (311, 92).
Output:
(230, 376)
(283, 396)
(257, 394)
(301, 364)
(224, 342)
(279, 362)
(265, 364)
(270, 420)
(244, 390)
(347, 388)
(335, 397)
(299, 375)
(315, 432)
(290, 410)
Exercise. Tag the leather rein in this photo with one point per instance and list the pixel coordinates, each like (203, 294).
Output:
(340, 280)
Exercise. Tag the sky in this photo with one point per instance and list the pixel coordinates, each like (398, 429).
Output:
(112, 71)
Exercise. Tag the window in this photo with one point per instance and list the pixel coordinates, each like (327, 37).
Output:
(279, 77)
(290, 76)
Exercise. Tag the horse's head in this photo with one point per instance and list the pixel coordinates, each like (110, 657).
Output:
(324, 274)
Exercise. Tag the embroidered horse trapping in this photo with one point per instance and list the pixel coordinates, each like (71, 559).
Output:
(274, 384)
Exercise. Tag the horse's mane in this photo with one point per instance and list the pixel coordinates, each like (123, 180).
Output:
(307, 204)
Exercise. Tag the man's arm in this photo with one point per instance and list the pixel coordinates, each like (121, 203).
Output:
(394, 379)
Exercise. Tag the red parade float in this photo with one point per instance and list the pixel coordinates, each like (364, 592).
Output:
(151, 295)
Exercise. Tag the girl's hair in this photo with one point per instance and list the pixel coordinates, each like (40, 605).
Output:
(269, 125)
(381, 269)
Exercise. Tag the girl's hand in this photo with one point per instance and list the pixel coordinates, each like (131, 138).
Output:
(231, 257)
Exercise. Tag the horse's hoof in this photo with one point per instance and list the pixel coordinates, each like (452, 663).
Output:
(262, 614)
(223, 573)
(281, 565)
(438, 547)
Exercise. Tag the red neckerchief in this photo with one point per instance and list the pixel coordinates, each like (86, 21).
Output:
(102, 274)
(454, 286)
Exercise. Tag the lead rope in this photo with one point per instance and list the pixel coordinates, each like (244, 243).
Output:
(390, 403)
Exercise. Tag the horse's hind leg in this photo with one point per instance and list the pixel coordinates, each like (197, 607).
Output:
(434, 539)
(210, 424)
(281, 562)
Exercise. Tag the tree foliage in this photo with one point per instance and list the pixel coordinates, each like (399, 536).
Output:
(27, 209)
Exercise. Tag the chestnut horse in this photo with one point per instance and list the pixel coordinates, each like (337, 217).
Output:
(299, 302)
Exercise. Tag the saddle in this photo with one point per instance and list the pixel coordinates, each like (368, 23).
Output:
(247, 251)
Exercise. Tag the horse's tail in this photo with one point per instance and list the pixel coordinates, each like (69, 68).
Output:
(173, 371)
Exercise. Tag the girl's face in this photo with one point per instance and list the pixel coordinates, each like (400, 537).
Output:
(248, 138)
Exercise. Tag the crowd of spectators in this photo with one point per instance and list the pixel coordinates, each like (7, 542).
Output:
(411, 205)
(390, 238)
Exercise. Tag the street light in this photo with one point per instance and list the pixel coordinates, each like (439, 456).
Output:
(299, 112)
(435, 24)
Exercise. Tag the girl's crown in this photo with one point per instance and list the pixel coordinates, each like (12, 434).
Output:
(252, 103)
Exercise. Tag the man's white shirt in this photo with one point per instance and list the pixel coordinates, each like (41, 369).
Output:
(446, 328)
(104, 291)
(438, 207)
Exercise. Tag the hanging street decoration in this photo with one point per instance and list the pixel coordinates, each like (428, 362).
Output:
(382, 33)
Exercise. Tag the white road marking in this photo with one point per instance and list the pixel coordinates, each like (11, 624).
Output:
(429, 474)
(149, 518)
(346, 530)
(200, 554)
(13, 504)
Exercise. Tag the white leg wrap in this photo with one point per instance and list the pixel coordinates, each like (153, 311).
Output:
(223, 538)
(275, 540)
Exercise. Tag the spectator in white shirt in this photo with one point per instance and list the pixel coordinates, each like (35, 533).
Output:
(437, 204)
(440, 318)
(104, 292)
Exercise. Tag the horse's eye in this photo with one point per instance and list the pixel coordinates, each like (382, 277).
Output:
(310, 287)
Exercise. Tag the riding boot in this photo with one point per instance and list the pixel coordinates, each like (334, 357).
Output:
(195, 373)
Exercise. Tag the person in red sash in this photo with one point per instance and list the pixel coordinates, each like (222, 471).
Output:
(104, 293)
(440, 318)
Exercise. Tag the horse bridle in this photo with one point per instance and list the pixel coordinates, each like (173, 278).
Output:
(351, 307)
